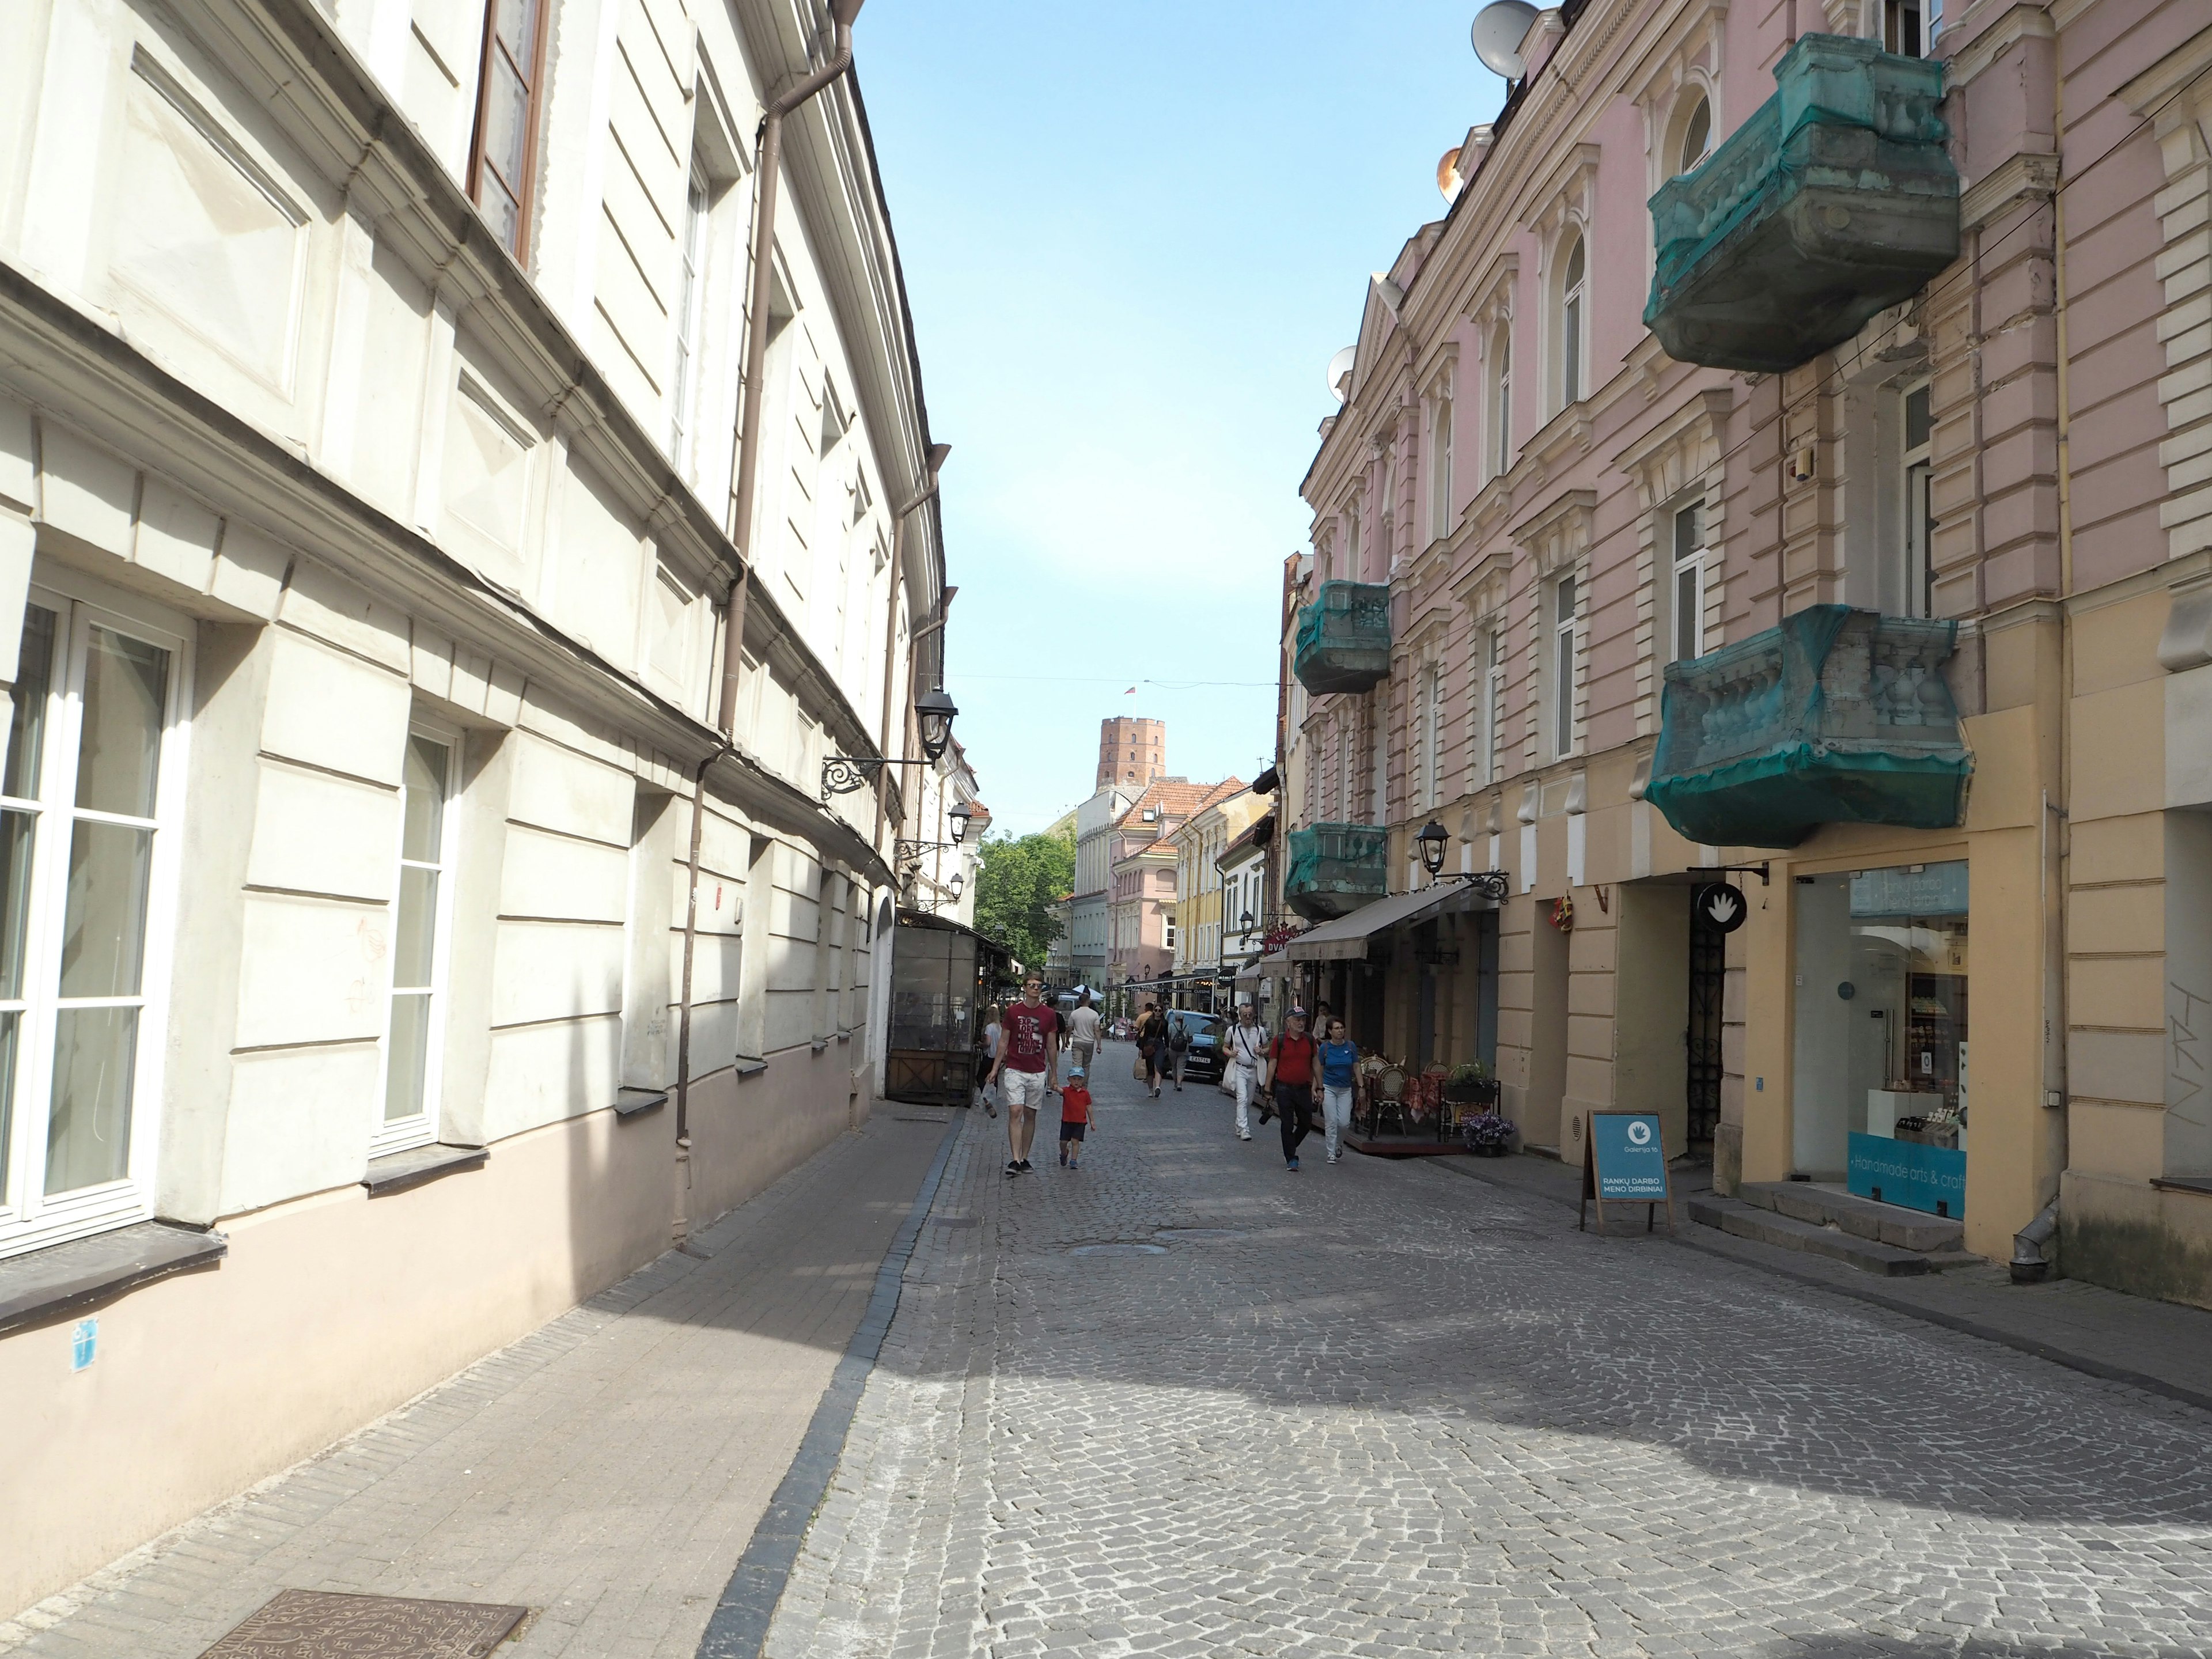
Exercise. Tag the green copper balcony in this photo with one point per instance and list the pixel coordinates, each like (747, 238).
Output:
(1335, 868)
(1837, 716)
(1344, 638)
(1835, 201)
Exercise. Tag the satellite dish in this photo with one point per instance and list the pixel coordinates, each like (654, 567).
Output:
(1340, 367)
(1499, 29)
(1448, 178)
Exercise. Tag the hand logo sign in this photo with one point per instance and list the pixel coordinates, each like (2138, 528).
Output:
(1720, 907)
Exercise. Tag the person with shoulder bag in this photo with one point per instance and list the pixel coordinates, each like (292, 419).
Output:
(1248, 1044)
(1152, 1047)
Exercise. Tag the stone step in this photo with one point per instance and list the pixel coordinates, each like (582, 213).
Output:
(1769, 1227)
(1885, 1224)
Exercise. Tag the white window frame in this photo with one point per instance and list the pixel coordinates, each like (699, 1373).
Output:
(1686, 579)
(400, 1134)
(1432, 737)
(1915, 528)
(690, 309)
(1501, 403)
(1489, 680)
(1683, 160)
(1440, 465)
(1572, 318)
(1566, 596)
(29, 1218)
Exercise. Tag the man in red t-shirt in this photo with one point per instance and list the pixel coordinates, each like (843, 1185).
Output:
(1029, 1055)
(1290, 1076)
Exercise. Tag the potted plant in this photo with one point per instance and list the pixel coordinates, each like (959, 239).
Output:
(1464, 1084)
(1487, 1134)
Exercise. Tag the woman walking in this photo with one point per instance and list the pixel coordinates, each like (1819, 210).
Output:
(1339, 1084)
(1152, 1046)
(989, 1058)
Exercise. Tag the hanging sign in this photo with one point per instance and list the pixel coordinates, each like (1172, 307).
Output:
(1720, 907)
(1624, 1159)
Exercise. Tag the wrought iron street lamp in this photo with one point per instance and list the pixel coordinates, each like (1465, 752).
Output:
(960, 816)
(934, 711)
(1433, 840)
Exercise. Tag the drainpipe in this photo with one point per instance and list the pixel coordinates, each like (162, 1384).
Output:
(768, 166)
(680, 1230)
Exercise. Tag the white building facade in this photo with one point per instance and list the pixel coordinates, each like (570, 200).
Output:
(369, 386)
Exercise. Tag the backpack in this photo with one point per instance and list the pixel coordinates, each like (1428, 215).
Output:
(1179, 1037)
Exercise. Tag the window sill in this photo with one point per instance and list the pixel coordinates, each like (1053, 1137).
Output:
(636, 1102)
(43, 1286)
(750, 1066)
(397, 1172)
(2184, 1184)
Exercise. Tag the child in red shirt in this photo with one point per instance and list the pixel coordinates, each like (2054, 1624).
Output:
(1074, 1117)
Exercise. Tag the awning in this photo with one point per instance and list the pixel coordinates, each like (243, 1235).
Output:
(1345, 938)
(1269, 967)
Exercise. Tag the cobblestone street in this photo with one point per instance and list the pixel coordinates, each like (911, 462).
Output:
(1185, 1402)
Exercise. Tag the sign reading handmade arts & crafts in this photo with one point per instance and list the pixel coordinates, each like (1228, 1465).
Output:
(1624, 1159)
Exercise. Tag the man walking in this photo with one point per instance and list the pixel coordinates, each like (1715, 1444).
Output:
(1247, 1043)
(1083, 1034)
(1178, 1047)
(1290, 1078)
(1029, 1057)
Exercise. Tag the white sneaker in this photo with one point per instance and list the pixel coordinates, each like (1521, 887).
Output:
(1243, 1134)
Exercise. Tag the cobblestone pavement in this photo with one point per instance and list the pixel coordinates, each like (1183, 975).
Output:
(1184, 1402)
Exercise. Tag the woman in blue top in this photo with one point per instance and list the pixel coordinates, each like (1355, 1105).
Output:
(1339, 1084)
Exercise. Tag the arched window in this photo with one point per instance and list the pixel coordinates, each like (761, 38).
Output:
(1573, 289)
(1697, 136)
(1501, 401)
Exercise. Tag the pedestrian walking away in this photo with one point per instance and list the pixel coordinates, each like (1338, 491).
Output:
(1074, 1117)
(1340, 1086)
(1178, 1049)
(987, 1061)
(1291, 1059)
(1029, 1059)
(1083, 1036)
(1152, 1047)
(1247, 1043)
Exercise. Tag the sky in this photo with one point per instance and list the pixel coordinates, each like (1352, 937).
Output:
(1134, 232)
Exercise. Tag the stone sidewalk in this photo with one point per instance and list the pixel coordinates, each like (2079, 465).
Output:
(606, 1471)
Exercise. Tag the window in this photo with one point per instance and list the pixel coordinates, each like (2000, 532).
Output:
(1501, 403)
(1352, 545)
(89, 802)
(1170, 933)
(1344, 807)
(1563, 635)
(503, 154)
(693, 255)
(1687, 595)
(1918, 529)
(421, 911)
(1573, 286)
(1697, 136)
(1440, 470)
(1901, 30)
(1432, 738)
(1489, 679)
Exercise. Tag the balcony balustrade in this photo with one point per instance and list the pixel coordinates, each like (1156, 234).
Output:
(1836, 716)
(1334, 868)
(1344, 638)
(1833, 202)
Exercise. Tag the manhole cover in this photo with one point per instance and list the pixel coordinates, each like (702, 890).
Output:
(1119, 1249)
(315, 1624)
(1197, 1233)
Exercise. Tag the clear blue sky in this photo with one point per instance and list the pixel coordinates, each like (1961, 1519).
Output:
(1134, 233)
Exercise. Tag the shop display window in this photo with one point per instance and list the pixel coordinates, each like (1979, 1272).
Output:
(1880, 989)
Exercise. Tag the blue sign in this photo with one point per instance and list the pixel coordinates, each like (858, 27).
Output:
(1904, 1172)
(84, 1343)
(1632, 1164)
(1932, 890)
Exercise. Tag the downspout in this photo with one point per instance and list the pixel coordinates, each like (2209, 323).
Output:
(768, 166)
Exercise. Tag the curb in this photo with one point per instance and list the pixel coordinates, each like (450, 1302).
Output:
(738, 1628)
(2027, 1344)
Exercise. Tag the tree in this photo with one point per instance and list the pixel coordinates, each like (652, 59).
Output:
(1018, 886)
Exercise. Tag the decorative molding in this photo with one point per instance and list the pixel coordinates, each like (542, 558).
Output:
(2026, 20)
(2025, 177)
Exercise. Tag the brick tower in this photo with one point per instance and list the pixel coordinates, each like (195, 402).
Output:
(1131, 752)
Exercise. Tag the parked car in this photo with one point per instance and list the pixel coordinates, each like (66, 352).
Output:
(1203, 1063)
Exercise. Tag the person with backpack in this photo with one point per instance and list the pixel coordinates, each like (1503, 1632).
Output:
(1178, 1048)
(1248, 1047)
(1291, 1060)
(1152, 1046)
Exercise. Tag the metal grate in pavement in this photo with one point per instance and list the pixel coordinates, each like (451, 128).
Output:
(315, 1624)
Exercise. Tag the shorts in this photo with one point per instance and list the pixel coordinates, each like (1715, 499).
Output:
(1022, 1091)
(1072, 1131)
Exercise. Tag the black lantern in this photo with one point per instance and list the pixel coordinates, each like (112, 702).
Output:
(935, 711)
(1247, 924)
(1432, 841)
(960, 815)
(954, 885)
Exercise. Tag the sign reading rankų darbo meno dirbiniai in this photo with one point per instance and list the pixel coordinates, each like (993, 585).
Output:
(1624, 1159)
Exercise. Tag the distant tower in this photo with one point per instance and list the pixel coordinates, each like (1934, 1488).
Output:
(1131, 753)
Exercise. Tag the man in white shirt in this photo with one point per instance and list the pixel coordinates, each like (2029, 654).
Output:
(1082, 1033)
(1248, 1045)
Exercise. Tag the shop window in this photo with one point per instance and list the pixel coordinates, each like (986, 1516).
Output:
(1882, 1090)
(1686, 589)
(88, 817)
(421, 911)
(502, 154)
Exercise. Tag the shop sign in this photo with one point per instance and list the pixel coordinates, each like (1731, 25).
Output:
(1624, 1159)
(1931, 1179)
(1924, 889)
(1720, 906)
